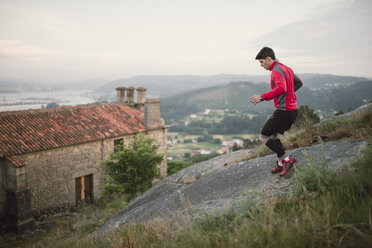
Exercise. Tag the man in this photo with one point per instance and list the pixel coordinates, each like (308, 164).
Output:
(284, 83)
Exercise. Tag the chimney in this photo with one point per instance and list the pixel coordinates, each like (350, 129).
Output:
(120, 97)
(152, 113)
(130, 95)
(141, 98)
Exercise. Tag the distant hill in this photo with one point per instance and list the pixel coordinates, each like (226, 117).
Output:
(317, 81)
(236, 96)
(168, 85)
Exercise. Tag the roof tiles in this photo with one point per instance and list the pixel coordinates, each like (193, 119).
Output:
(16, 161)
(41, 129)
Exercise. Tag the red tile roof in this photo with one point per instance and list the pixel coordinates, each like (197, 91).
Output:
(16, 161)
(41, 129)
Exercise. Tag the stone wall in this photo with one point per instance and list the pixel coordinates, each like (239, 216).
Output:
(152, 117)
(7, 182)
(15, 198)
(161, 136)
(51, 174)
(2, 189)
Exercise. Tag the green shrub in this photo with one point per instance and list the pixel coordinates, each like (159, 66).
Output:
(175, 166)
(133, 167)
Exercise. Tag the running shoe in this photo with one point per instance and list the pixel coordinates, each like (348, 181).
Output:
(288, 165)
(277, 168)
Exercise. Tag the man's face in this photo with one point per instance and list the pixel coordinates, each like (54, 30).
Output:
(265, 63)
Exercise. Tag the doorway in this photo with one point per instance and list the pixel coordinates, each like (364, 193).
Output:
(84, 189)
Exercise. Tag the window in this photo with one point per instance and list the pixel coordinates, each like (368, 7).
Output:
(116, 143)
(84, 189)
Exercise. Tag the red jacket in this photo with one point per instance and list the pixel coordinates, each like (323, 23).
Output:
(284, 83)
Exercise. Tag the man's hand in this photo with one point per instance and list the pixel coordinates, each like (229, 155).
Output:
(255, 99)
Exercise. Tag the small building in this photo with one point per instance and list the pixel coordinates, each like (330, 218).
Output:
(228, 143)
(180, 155)
(205, 152)
(194, 153)
(223, 150)
(50, 159)
(238, 142)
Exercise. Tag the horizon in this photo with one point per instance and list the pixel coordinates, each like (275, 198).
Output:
(103, 81)
(52, 42)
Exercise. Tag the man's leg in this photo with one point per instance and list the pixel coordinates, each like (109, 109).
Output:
(274, 144)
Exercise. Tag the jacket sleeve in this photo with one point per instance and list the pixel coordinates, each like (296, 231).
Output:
(297, 82)
(280, 87)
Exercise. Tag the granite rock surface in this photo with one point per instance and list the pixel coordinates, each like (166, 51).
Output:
(221, 182)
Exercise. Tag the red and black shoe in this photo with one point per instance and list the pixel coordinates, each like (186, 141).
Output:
(277, 168)
(288, 165)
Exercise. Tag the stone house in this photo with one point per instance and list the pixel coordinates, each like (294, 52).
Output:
(50, 159)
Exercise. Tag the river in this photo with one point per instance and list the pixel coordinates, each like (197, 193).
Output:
(37, 99)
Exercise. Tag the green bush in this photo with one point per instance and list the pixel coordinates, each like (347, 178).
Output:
(306, 116)
(202, 157)
(175, 166)
(133, 167)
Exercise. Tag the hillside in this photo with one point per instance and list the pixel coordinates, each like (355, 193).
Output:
(237, 178)
(168, 85)
(235, 201)
(236, 96)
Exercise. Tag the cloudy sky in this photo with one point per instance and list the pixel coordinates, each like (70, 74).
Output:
(53, 41)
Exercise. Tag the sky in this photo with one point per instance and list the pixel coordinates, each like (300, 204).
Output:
(52, 41)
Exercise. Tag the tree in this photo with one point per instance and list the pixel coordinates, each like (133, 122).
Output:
(187, 141)
(132, 169)
(52, 105)
(202, 157)
(175, 166)
(235, 147)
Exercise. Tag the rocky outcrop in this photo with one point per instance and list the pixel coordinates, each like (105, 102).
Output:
(222, 182)
(349, 115)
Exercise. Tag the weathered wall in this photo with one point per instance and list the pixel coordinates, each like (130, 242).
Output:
(51, 174)
(7, 181)
(2, 189)
(161, 136)
(152, 113)
(15, 197)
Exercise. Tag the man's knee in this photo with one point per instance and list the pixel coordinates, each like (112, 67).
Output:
(263, 138)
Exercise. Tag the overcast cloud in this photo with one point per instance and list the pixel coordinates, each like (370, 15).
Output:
(64, 41)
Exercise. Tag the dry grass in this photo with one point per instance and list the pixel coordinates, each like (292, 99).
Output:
(64, 227)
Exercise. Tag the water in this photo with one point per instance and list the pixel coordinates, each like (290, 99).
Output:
(39, 99)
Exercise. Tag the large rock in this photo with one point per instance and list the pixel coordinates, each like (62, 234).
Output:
(218, 183)
(366, 108)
